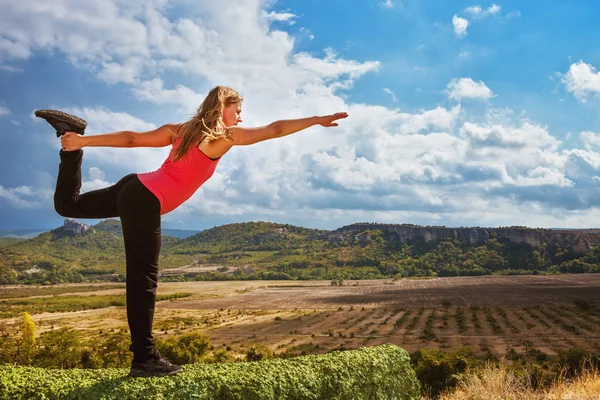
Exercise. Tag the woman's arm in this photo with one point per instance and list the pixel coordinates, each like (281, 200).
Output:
(246, 136)
(159, 137)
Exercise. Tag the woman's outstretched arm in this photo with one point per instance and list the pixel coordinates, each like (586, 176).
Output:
(158, 137)
(246, 136)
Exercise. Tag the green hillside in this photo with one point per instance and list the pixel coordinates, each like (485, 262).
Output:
(264, 250)
(56, 256)
(6, 241)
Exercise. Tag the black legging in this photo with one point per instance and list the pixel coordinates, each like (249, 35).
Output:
(139, 211)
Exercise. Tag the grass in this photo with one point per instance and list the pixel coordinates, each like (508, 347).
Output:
(30, 291)
(500, 382)
(14, 307)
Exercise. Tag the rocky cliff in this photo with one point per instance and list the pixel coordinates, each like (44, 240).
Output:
(70, 228)
(580, 240)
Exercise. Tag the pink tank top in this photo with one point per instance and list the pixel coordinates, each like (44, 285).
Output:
(175, 182)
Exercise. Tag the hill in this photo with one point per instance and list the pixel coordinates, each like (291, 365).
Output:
(262, 250)
(114, 226)
(73, 252)
(21, 233)
(581, 240)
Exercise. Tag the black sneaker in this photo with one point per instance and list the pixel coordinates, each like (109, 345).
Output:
(155, 366)
(62, 122)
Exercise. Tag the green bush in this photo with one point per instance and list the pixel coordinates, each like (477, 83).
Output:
(259, 352)
(188, 348)
(382, 372)
(439, 371)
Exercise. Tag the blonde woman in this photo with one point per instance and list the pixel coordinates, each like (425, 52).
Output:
(139, 199)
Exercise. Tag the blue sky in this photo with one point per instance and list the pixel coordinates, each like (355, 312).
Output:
(461, 113)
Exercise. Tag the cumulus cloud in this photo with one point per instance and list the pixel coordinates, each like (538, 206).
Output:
(387, 4)
(582, 80)
(590, 140)
(103, 120)
(95, 180)
(460, 26)
(4, 111)
(153, 91)
(467, 88)
(432, 165)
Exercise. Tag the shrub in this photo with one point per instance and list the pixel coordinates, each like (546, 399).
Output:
(259, 352)
(188, 348)
(381, 372)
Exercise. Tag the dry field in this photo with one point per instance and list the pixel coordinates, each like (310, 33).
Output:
(491, 314)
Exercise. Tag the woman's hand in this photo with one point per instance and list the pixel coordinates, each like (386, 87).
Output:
(72, 141)
(327, 120)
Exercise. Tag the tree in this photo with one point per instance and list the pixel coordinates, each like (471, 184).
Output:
(59, 348)
(114, 351)
(26, 349)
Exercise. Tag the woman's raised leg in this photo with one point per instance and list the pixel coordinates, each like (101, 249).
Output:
(69, 202)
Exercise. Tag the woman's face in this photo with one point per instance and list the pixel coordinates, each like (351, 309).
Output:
(231, 114)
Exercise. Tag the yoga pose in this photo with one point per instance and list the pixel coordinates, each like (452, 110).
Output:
(140, 199)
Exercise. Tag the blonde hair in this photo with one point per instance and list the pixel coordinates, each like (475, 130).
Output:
(208, 121)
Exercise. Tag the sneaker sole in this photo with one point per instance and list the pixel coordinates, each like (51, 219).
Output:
(66, 121)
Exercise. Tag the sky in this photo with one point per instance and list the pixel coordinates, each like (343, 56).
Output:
(461, 113)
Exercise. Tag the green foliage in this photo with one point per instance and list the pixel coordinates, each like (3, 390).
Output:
(191, 347)
(13, 307)
(113, 352)
(572, 361)
(439, 371)
(4, 241)
(258, 352)
(30, 291)
(27, 344)
(59, 348)
(381, 372)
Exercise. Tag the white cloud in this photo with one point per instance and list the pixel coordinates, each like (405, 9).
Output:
(10, 68)
(391, 93)
(460, 26)
(387, 4)
(102, 120)
(153, 91)
(581, 80)
(24, 197)
(509, 137)
(467, 88)
(541, 176)
(4, 111)
(479, 12)
(96, 173)
(590, 140)
(96, 180)
(279, 17)
(433, 165)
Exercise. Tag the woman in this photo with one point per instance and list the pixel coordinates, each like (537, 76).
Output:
(140, 199)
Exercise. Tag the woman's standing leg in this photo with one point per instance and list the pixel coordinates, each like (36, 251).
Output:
(139, 210)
